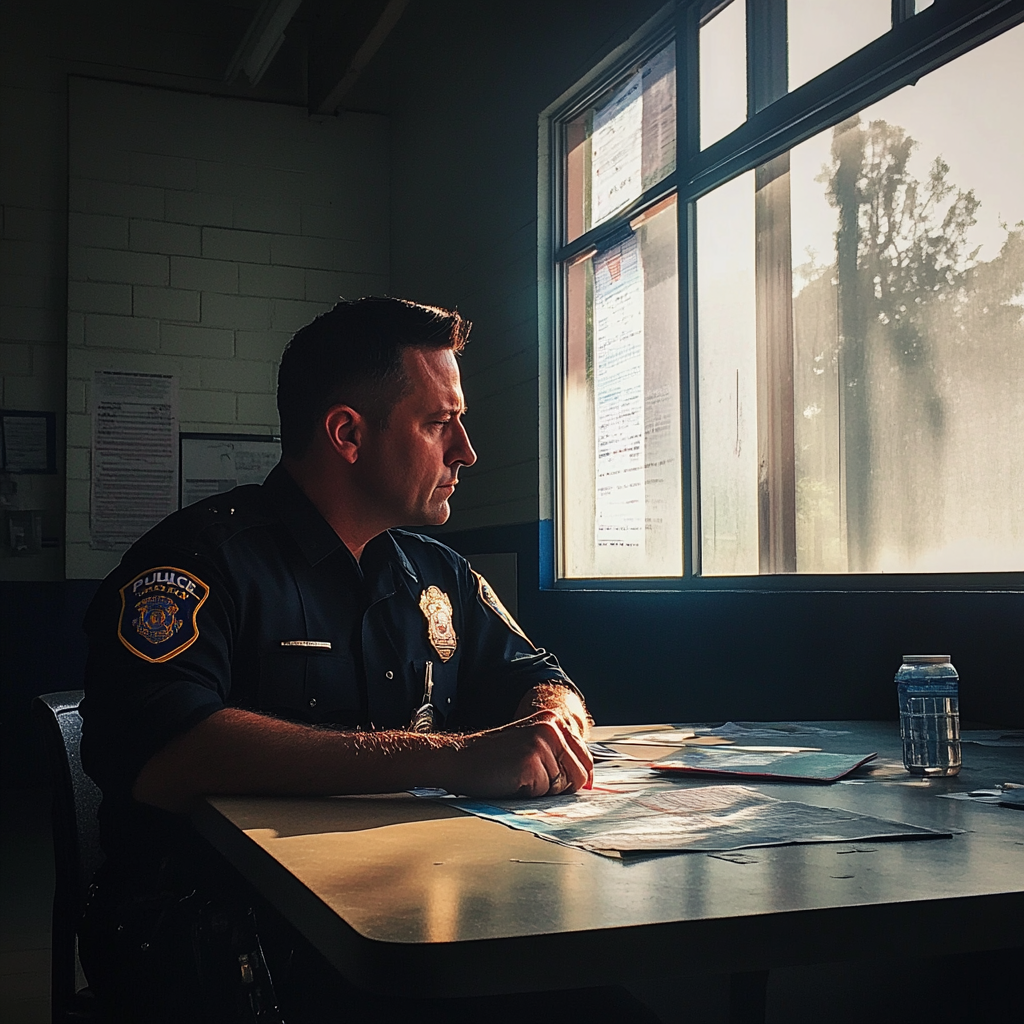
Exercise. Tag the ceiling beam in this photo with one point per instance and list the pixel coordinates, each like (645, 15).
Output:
(262, 40)
(343, 43)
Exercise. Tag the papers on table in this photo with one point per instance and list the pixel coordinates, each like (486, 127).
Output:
(764, 731)
(787, 764)
(703, 818)
(994, 737)
(661, 738)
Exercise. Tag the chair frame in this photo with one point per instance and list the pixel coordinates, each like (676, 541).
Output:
(76, 848)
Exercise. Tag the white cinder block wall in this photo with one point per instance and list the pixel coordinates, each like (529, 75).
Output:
(202, 232)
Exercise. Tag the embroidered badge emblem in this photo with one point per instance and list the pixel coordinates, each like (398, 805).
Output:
(158, 612)
(437, 610)
(491, 599)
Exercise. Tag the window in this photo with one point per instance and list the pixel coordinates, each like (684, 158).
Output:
(798, 348)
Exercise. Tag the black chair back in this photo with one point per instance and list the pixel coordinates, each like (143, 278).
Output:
(76, 840)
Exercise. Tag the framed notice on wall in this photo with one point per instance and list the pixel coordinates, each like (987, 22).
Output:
(214, 463)
(28, 441)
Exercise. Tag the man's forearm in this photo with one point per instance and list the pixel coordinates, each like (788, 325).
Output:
(235, 751)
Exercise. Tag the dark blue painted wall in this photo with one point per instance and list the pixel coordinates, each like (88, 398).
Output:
(645, 657)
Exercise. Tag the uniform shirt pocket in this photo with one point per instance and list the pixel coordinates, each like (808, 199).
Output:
(309, 683)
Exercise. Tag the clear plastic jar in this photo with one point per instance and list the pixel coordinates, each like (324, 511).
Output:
(928, 688)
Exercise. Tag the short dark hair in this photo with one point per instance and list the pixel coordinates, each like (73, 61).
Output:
(352, 354)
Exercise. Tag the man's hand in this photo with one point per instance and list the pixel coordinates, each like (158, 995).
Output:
(540, 755)
(565, 702)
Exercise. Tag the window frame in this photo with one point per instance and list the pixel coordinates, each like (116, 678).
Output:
(915, 45)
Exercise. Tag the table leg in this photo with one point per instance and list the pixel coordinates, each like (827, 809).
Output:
(747, 995)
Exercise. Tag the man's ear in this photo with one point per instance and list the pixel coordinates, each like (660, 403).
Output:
(346, 431)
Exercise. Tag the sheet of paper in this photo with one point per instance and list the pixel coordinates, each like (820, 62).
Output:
(26, 443)
(778, 764)
(620, 507)
(659, 117)
(994, 737)
(134, 455)
(616, 160)
(214, 464)
(702, 818)
(742, 731)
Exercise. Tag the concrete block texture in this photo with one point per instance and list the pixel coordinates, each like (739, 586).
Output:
(100, 297)
(331, 285)
(204, 274)
(227, 224)
(87, 264)
(101, 230)
(257, 215)
(121, 332)
(208, 406)
(15, 358)
(242, 312)
(274, 282)
(198, 208)
(261, 345)
(258, 410)
(238, 376)
(242, 246)
(363, 256)
(290, 315)
(170, 239)
(86, 195)
(165, 303)
(179, 339)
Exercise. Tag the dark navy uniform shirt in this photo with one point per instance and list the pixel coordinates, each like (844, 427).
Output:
(251, 600)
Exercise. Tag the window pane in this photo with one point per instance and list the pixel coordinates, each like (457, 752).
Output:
(623, 145)
(621, 497)
(726, 381)
(899, 236)
(723, 73)
(824, 32)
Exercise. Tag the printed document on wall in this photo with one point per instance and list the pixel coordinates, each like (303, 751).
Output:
(620, 499)
(134, 455)
(617, 151)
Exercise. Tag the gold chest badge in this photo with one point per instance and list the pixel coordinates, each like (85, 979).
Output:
(437, 610)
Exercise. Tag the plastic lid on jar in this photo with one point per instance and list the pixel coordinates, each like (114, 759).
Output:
(925, 659)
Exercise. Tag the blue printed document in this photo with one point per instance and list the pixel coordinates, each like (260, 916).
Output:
(784, 764)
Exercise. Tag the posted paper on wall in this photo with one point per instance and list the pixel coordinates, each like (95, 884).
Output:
(616, 162)
(620, 500)
(214, 463)
(134, 455)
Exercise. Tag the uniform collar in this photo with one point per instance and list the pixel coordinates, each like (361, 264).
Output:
(313, 534)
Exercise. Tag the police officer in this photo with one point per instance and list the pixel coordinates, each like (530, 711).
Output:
(290, 639)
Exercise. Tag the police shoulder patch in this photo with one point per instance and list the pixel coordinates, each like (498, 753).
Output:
(492, 601)
(158, 612)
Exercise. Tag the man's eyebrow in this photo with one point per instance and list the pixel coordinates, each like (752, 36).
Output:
(451, 410)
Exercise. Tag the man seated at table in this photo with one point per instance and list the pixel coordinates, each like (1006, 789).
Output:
(288, 638)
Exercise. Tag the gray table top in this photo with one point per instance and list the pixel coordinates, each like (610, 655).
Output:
(399, 892)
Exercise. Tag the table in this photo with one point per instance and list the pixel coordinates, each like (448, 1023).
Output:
(409, 897)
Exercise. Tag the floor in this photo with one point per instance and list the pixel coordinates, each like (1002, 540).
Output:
(26, 893)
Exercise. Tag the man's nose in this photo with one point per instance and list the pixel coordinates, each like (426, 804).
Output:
(462, 451)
